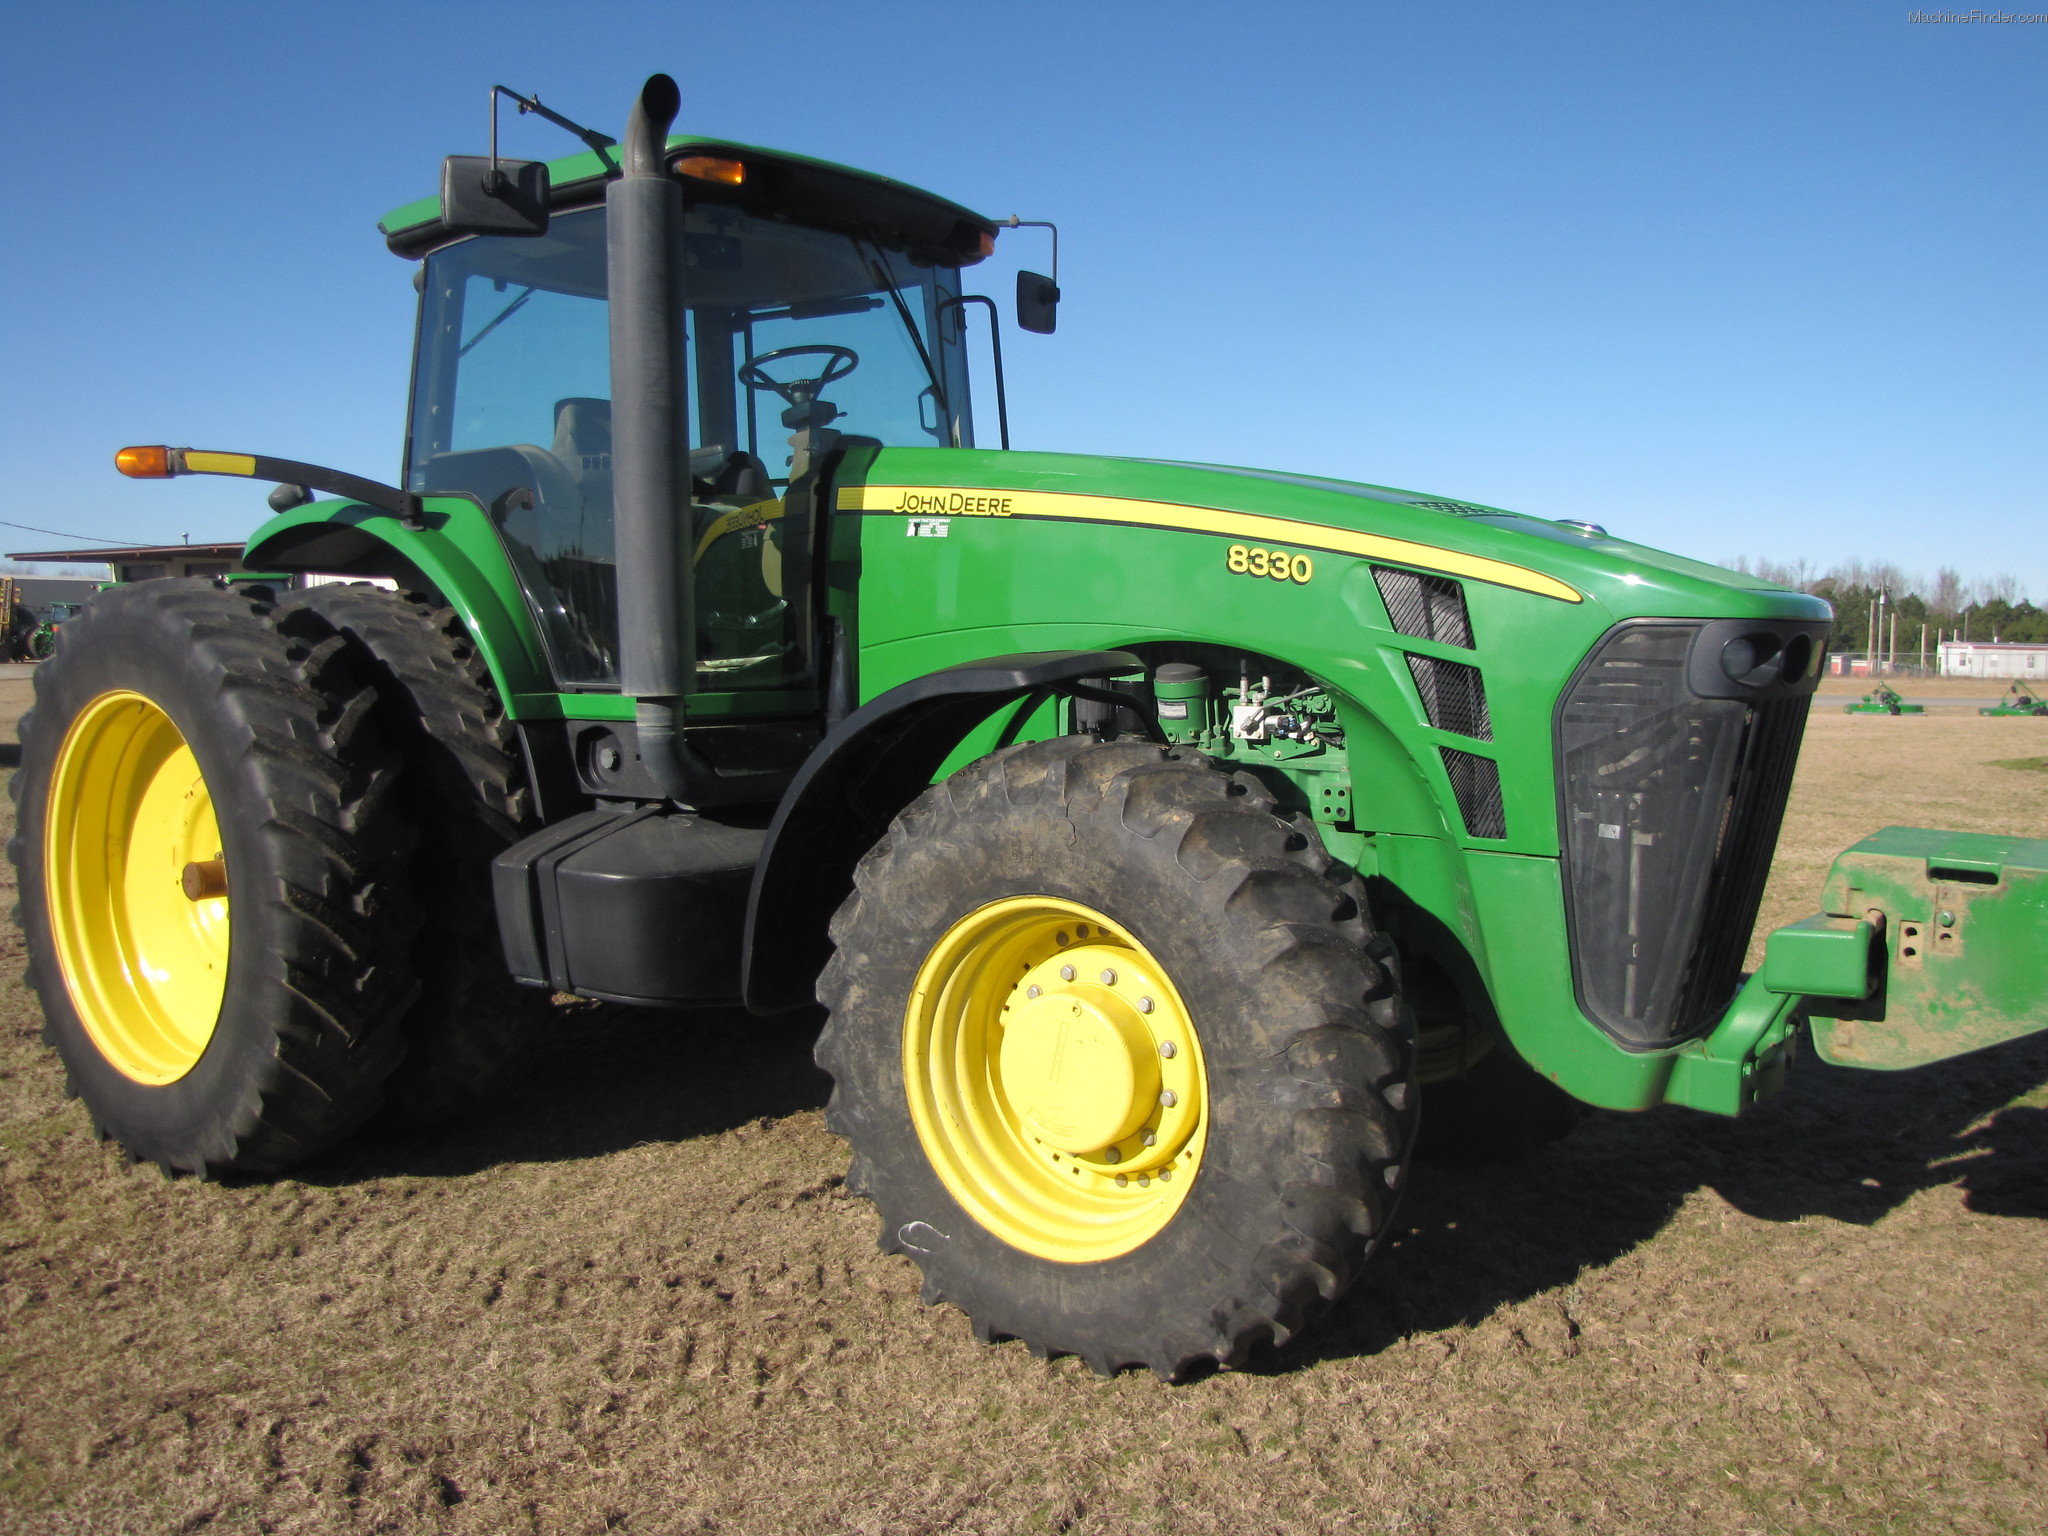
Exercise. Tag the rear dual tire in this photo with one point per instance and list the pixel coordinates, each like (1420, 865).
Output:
(211, 865)
(465, 790)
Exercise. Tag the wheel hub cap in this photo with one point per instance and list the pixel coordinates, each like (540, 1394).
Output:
(144, 954)
(1080, 1066)
(1055, 1078)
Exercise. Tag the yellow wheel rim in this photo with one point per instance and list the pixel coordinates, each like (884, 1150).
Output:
(1055, 1079)
(129, 827)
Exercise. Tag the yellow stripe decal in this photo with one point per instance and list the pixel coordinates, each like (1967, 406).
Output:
(1064, 506)
(199, 462)
(752, 515)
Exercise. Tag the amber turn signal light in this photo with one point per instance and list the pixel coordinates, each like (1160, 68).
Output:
(710, 168)
(145, 463)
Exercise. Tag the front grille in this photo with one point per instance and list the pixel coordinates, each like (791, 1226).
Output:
(1427, 607)
(1669, 806)
(1756, 810)
(1453, 696)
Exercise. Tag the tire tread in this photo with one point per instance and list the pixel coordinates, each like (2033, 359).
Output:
(1342, 1042)
(285, 713)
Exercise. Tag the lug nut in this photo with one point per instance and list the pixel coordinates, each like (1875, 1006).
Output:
(1167, 1049)
(1109, 978)
(1066, 973)
(1165, 1175)
(1144, 1005)
(1122, 1179)
(1032, 991)
(1168, 1097)
(1149, 1137)
(1112, 1156)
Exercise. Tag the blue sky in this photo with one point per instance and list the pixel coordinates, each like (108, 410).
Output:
(1730, 279)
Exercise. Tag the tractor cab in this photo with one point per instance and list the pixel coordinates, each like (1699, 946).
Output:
(811, 323)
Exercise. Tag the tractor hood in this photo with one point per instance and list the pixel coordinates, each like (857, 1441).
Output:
(1572, 563)
(1617, 572)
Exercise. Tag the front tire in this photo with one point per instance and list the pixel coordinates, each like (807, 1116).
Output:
(1122, 1061)
(211, 877)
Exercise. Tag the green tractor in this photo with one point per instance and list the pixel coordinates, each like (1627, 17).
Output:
(1883, 700)
(2019, 700)
(1163, 840)
(41, 643)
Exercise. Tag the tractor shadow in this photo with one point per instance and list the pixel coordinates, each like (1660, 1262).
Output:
(1838, 1143)
(1841, 1143)
(602, 1078)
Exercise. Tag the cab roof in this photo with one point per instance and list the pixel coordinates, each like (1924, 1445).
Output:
(930, 229)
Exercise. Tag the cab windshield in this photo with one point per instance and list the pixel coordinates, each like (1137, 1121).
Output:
(511, 405)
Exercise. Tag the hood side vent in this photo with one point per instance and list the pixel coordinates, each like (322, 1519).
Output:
(1476, 782)
(1427, 607)
(1453, 696)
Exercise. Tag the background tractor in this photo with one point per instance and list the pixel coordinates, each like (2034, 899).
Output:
(1162, 840)
(2019, 699)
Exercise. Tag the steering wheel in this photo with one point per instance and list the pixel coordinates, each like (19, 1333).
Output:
(800, 391)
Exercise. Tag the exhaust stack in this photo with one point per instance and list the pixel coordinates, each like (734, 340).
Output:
(650, 443)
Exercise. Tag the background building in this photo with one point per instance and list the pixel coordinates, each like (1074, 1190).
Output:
(142, 562)
(1984, 658)
(40, 593)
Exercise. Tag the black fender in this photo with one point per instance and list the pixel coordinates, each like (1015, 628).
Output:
(873, 764)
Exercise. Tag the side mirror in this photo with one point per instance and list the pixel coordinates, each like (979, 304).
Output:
(476, 200)
(1038, 303)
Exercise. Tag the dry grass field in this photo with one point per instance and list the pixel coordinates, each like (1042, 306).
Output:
(633, 1296)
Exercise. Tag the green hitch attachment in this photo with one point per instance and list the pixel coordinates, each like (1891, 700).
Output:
(1934, 944)
(1744, 1059)
(1964, 946)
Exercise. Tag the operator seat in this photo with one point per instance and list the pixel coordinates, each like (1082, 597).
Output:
(583, 444)
(721, 476)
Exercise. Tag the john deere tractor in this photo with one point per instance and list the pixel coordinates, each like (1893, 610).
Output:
(1163, 840)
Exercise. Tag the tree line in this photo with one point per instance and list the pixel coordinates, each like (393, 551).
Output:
(1992, 608)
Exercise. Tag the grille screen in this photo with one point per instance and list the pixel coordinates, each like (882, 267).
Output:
(1453, 697)
(1670, 806)
(1756, 809)
(1476, 782)
(1428, 607)
(1456, 508)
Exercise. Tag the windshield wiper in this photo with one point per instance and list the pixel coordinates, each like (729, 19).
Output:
(881, 269)
(497, 320)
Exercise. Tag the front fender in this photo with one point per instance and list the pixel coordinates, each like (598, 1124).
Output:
(876, 761)
(456, 554)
